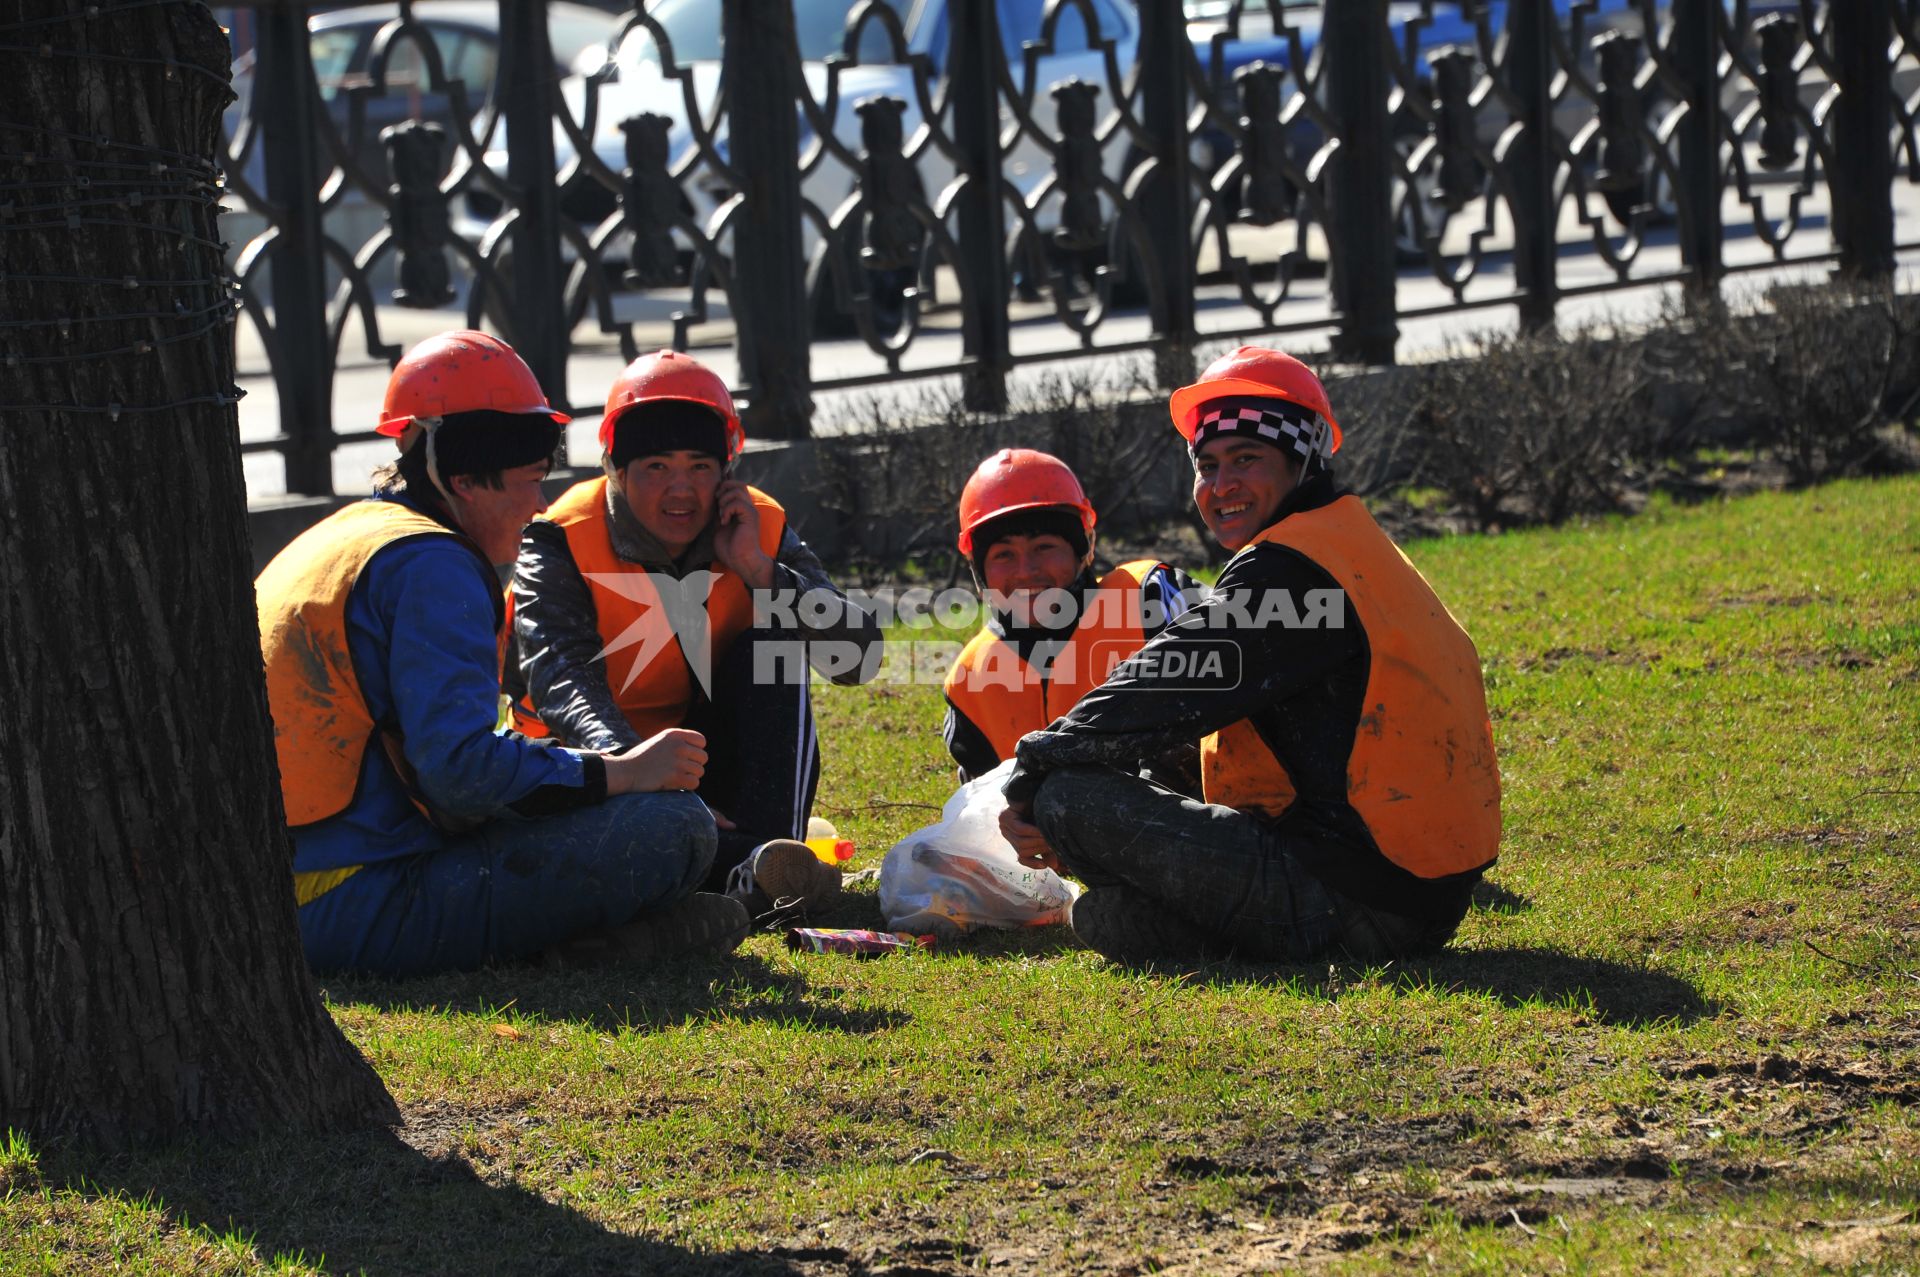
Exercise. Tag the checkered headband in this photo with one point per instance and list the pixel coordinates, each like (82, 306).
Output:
(1280, 422)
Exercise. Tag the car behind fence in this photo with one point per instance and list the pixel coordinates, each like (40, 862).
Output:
(944, 188)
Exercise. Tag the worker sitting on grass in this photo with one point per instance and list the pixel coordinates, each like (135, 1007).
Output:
(1054, 629)
(423, 839)
(666, 596)
(1352, 799)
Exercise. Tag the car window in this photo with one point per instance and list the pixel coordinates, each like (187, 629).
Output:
(569, 32)
(406, 68)
(407, 65)
(332, 57)
(692, 27)
(821, 26)
(451, 43)
(469, 58)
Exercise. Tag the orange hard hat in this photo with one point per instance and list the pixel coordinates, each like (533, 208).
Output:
(1019, 479)
(461, 371)
(668, 374)
(1253, 370)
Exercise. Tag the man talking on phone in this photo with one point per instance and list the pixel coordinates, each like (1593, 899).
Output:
(634, 611)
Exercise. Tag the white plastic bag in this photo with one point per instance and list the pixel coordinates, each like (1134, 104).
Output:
(961, 873)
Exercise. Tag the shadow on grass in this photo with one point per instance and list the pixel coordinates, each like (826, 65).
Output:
(614, 999)
(1491, 897)
(370, 1203)
(1614, 993)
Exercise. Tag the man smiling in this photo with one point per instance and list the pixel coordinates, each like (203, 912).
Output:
(635, 615)
(1054, 628)
(1352, 799)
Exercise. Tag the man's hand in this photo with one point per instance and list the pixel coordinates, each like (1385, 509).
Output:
(1017, 827)
(674, 759)
(736, 536)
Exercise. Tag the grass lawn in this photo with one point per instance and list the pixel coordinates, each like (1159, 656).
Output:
(1679, 1034)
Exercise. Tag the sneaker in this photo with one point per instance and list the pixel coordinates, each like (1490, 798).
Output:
(702, 925)
(784, 876)
(1125, 926)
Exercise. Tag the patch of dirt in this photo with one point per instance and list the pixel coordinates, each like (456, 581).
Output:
(1851, 1245)
(1859, 1082)
(1762, 598)
(1554, 657)
(1316, 1189)
(439, 1129)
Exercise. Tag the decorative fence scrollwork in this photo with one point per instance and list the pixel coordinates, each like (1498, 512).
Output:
(942, 188)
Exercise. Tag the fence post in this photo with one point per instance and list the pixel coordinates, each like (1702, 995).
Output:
(769, 294)
(1360, 199)
(1696, 43)
(540, 331)
(982, 219)
(1166, 203)
(288, 141)
(1861, 183)
(1536, 219)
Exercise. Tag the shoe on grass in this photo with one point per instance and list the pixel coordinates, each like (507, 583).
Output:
(701, 925)
(783, 875)
(1121, 924)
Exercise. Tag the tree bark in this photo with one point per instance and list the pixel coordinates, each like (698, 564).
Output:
(151, 977)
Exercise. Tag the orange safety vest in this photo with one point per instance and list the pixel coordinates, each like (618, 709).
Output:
(1422, 773)
(658, 694)
(1006, 698)
(321, 724)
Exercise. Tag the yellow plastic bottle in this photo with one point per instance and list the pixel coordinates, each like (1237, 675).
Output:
(826, 843)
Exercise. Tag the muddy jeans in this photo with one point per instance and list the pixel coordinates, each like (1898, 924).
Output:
(1228, 874)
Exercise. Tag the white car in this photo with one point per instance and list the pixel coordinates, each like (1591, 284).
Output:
(632, 81)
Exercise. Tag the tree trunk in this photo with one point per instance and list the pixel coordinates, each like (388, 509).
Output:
(151, 978)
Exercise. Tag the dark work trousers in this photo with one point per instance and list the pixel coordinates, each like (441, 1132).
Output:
(512, 887)
(763, 757)
(1227, 874)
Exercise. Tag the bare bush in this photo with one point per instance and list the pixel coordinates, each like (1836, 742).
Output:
(1532, 428)
(894, 465)
(1814, 372)
(1376, 411)
(891, 472)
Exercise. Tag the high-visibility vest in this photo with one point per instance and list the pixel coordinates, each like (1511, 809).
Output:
(321, 724)
(1006, 698)
(1422, 773)
(646, 667)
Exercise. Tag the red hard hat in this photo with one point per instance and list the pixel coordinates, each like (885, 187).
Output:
(668, 374)
(461, 372)
(1018, 479)
(1253, 370)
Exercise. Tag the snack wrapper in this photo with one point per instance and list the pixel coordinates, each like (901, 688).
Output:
(863, 944)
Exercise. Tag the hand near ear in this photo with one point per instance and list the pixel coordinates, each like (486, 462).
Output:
(736, 536)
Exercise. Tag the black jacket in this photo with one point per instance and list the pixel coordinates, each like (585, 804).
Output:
(1302, 689)
(557, 642)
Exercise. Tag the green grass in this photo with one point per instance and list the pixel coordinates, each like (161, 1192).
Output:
(1679, 1035)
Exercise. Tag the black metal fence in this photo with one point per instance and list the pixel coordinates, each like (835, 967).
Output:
(958, 187)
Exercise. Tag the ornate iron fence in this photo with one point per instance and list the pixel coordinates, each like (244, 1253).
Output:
(955, 187)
